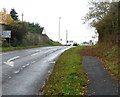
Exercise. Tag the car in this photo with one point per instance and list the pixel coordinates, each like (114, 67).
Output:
(75, 44)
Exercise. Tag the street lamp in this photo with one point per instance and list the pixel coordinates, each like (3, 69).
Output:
(59, 30)
(66, 37)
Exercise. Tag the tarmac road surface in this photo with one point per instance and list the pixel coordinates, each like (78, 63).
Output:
(24, 71)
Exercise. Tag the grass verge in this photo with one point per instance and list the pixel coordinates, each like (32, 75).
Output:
(4, 49)
(68, 76)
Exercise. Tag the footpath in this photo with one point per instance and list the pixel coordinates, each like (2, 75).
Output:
(100, 81)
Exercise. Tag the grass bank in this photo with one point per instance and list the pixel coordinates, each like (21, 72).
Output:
(4, 49)
(68, 76)
(10, 48)
(109, 55)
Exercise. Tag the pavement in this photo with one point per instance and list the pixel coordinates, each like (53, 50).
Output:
(24, 72)
(101, 83)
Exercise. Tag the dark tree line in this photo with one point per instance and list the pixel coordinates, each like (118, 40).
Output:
(35, 28)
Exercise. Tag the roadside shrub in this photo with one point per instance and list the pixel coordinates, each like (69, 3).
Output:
(19, 30)
(5, 43)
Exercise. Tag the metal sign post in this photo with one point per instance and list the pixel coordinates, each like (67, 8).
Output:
(6, 34)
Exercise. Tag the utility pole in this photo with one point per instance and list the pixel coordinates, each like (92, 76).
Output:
(59, 30)
(22, 17)
(66, 36)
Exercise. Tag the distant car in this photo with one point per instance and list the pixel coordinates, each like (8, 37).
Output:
(75, 44)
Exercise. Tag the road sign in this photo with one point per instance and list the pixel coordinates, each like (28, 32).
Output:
(6, 34)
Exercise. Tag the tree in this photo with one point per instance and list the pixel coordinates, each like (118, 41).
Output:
(97, 11)
(8, 19)
(19, 31)
(5, 18)
(35, 28)
(104, 17)
(14, 15)
(90, 41)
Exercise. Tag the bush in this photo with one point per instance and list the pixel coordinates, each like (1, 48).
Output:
(35, 28)
(19, 30)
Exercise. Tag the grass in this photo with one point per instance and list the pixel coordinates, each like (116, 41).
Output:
(4, 49)
(68, 76)
(109, 54)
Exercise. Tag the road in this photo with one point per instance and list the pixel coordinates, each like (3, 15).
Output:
(24, 72)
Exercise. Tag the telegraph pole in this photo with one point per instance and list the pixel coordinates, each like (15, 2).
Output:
(22, 17)
(59, 30)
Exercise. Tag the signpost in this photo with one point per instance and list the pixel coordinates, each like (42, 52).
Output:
(6, 34)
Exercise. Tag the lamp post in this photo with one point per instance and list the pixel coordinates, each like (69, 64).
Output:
(59, 30)
(66, 36)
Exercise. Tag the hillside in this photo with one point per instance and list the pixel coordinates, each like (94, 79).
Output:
(22, 35)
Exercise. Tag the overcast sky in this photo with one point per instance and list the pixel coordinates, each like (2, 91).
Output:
(47, 13)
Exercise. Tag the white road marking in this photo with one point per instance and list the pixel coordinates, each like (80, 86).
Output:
(52, 62)
(34, 54)
(27, 64)
(33, 62)
(24, 66)
(10, 77)
(36, 50)
(10, 61)
(21, 68)
(17, 71)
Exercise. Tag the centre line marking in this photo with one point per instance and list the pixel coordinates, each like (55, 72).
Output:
(34, 54)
